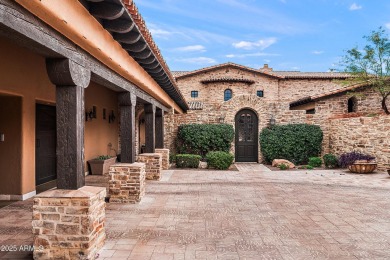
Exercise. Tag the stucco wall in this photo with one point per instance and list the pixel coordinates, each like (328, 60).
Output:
(24, 75)
(99, 133)
(11, 148)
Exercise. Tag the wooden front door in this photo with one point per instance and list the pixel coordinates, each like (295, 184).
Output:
(45, 144)
(246, 136)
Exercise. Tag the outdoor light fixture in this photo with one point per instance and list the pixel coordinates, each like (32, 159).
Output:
(221, 119)
(1, 137)
(111, 117)
(272, 121)
(91, 114)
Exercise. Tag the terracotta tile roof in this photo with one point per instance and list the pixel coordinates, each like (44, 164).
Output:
(219, 66)
(140, 22)
(268, 72)
(227, 79)
(298, 74)
(195, 105)
(314, 98)
(178, 73)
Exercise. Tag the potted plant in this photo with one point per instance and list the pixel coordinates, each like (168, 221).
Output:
(101, 164)
(358, 162)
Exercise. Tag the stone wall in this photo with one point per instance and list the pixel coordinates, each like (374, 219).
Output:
(127, 182)
(153, 165)
(69, 224)
(212, 94)
(364, 134)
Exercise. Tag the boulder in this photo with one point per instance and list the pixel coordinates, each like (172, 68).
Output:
(277, 162)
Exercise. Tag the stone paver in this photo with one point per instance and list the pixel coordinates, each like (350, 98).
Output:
(255, 214)
(245, 214)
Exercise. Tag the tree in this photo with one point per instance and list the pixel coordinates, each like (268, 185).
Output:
(371, 65)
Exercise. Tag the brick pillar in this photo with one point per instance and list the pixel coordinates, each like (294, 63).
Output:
(69, 224)
(70, 79)
(153, 165)
(165, 157)
(127, 183)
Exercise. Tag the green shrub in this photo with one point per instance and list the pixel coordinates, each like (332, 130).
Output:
(203, 138)
(315, 161)
(187, 160)
(309, 167)
(283, 167)
(172, 158)
(219, 160)
(330, 161)
(295, 142)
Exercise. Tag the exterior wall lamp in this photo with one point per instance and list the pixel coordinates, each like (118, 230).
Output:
(221, 119)
(111, 117)
(91, 114)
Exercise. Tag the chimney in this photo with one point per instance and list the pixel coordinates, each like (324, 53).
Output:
(266, 68)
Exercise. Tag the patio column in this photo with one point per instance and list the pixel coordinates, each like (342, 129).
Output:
(150, 136)
(159, 128)
(127, 102)
(70, 79)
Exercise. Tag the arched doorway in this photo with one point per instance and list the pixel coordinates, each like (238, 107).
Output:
(247, 139)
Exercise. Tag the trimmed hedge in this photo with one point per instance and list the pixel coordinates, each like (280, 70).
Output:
(203, 138)
(294, 142)
(219, 160)
(315, 161)
(330, 161)
(187, 160)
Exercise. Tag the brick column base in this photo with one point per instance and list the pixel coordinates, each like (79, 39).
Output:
(69, 224)
(127, 183)
(165, 157)
(153, 165)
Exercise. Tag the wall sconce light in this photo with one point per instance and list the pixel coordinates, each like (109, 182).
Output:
(111, 117)
(91, 114)
(272, 121)
(221, 119)
(1, 137)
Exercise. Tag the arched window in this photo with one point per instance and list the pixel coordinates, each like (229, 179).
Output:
(227, 94)
(352, 105)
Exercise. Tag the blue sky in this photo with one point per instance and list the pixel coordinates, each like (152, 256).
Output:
(305, 35)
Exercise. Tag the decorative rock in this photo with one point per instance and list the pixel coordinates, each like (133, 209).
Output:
(62, 235)
(165, 157)
(203, 165)
(127, 183)
(278, 162)
(153, 165)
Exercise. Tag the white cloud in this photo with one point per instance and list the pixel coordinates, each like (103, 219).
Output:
(387, 26)
(191, 48)
(261, 44)
(198, 60)
(317, 52)
(295, 68)
(256, 54)
(159, 33)
(283, 1)
(355, 7)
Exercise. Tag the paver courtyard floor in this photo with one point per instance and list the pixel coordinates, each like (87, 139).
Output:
(252, 213)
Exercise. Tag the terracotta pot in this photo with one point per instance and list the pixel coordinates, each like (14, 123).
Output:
(362, 167)
(101, 167)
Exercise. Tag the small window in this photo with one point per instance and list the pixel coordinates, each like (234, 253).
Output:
(311, 111)
(260, 93)
(352, 105)
(194, 93)
(227, 95)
